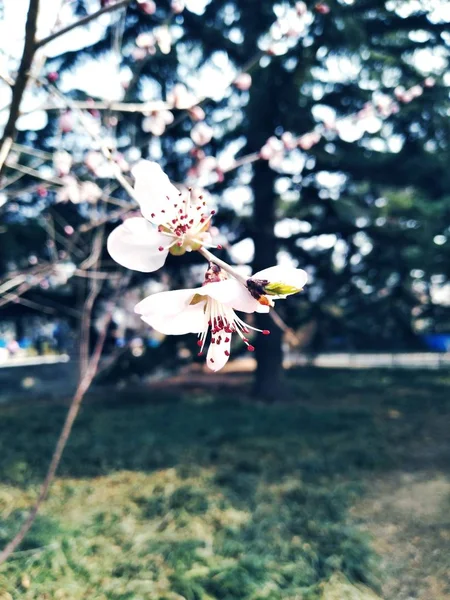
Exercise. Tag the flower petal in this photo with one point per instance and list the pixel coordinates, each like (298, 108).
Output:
(165, 303)
(231, 293)
(152, 190)
(171, 312)
(286, 276)
(190, 320)
(135, 243)
(218, 353)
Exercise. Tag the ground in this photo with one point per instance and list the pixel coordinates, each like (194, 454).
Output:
(340, 491)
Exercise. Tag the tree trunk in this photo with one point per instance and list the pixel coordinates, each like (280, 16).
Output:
(262, 124)
(268, 350)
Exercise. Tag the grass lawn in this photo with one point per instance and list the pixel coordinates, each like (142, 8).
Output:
(342, 494)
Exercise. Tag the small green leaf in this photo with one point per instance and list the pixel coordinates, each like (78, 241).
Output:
(277, 288)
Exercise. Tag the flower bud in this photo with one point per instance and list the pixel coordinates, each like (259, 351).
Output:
(243, 82)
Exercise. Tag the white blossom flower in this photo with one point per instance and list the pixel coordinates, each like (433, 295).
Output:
(145, 40)
(197, 113)
(181, 98)
(90, 192)
(243, 82)
(177, 6)
(66, 122)
(201, 134)
(171, 222)
(94, 161)
(163, 38)
(62, 161)
(210, 309)
(207, 309)
(70, 190)
(157, 121)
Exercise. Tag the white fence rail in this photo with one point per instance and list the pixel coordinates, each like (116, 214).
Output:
(350, 360)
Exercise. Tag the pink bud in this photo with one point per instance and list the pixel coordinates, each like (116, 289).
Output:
(139, 54)
(308, 140)
(266, 152)
(406, 98)
(322, 8)
(197, 113)
(147, 6)
(416, 91)
(177, 6)
(112, 121)
(66, 122)
(289, 141)
(53, 76)
(206, 165)
(243, 82)
(41, 191)
(429, 82)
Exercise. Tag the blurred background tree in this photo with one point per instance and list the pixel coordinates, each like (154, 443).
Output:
(353, 187)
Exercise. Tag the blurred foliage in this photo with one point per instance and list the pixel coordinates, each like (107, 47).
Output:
(369, 210)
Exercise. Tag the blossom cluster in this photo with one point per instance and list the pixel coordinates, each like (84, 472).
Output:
(175, 222)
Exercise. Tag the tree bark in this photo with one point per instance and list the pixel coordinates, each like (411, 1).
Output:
(23, 73)
(268, 348)
(262, 122)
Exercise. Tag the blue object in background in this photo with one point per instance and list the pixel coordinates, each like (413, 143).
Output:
(438, 342)
(153, 343)
(25, 343)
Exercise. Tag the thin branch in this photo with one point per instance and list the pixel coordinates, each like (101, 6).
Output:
(85, 382)
(133, 107)
(30, 303)
(29, 50)
(81, 22)
(83, 387)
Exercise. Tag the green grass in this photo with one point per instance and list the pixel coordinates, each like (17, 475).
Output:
(206, 497)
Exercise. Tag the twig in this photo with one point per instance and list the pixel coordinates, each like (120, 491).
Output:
(290, 333)
(29, 50)
(133, 107)
(85, 382)
(83, 387)
(30, 303)
(81, 22)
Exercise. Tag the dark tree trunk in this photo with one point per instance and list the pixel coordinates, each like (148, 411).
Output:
(262, 124)
(268, 350)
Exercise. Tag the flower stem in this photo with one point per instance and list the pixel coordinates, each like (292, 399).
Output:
(225, 266)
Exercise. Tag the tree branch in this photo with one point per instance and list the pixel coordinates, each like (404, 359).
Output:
(81, 22)
(29, 50)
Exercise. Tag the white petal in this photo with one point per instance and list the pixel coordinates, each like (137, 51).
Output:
(190, 320)
(296, 278)
(231, 293)
(152, 189)
(218, 353)
(135, 243)
(165, 303)
(171, 312)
